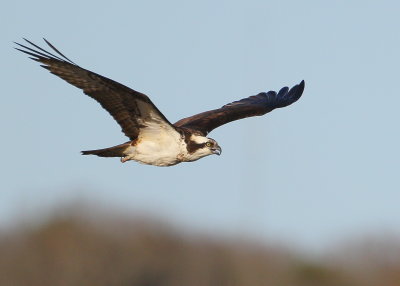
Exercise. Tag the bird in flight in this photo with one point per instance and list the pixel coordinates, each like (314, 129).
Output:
(153, 140)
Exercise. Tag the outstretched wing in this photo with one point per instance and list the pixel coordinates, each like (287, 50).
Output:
(251, 106)
(131, 109)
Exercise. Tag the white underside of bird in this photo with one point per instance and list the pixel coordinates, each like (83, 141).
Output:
(160, 145)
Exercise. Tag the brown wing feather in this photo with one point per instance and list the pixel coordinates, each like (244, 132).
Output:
(251, 106)
(131, 109)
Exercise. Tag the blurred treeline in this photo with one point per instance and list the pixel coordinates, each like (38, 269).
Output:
(114, 250)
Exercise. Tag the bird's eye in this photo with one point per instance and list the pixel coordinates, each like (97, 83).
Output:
(208, 144)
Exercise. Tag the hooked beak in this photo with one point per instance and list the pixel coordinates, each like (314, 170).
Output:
(217, 150)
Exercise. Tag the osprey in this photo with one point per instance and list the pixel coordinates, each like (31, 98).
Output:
(153, 139)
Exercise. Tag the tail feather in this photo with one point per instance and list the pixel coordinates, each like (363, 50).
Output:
(116, 151)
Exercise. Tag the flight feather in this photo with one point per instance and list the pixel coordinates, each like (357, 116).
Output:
(130, 108)
(256, 105)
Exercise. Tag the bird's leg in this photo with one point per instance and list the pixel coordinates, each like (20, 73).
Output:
(124, 159)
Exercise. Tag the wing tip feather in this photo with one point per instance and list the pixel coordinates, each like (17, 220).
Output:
(299, 89)
(302, 85)
(293, 94)
(42, 54)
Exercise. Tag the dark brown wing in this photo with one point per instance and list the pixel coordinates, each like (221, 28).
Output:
(251, 106)
(131, 109)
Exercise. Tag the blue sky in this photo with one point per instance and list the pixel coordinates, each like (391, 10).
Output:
(321, 170)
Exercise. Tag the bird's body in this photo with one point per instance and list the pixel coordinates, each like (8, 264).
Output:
(153, 139)
(160, 149)
(156, 145)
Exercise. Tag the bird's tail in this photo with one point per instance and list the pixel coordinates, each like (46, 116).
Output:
(116, 151)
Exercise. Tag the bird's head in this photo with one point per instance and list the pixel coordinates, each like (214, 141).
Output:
(200, 146)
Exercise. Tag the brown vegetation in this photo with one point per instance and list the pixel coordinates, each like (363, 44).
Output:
(73, 250)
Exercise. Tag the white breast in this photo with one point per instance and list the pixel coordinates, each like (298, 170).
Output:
(158, 144)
